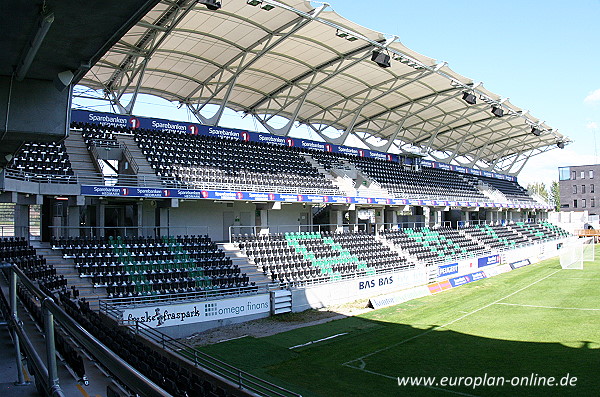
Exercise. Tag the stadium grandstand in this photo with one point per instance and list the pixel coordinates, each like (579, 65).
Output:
(124, 234)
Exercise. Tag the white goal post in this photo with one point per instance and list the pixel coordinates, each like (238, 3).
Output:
(574, 252)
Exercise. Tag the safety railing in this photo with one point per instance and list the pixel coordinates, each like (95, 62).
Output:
(52, 312)
(127, 231)
(115, 305)
(241, 379)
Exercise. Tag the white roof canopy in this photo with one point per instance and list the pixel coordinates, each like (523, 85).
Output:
(314, 67)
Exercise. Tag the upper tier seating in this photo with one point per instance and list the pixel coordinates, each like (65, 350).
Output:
(42, 162)
(511, 190)
(426, 183)
(135, 266)
(194, 160)
(308, 257)
(99, 135)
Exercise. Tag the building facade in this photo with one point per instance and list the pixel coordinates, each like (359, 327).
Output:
(578, 188)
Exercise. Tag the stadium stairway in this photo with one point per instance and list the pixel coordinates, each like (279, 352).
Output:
(80, 158)
(238, 258)
(336, 182)
(66, 268)
(146, 174)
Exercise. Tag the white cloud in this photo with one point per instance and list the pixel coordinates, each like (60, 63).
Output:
(591, 125)
(593, 97)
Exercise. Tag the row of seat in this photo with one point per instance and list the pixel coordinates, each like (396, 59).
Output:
(134, 266)
(309, 257)
(177, 157)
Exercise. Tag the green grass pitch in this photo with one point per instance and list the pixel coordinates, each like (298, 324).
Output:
(535, 322)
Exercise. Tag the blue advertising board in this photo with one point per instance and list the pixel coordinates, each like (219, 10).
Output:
(148, 192)
(467, 278)
(488, 260)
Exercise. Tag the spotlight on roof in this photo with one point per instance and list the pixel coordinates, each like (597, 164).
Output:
(211, 4)
(345, 35)
(560, 144)
(253, 2)
(469, 98)
(267, 7)
(498, 112)
(536, 131)
(380, 58)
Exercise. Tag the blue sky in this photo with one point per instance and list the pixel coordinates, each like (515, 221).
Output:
(543, 55)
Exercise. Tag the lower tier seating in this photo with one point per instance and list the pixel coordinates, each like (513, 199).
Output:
(136, 266)
(304, 257)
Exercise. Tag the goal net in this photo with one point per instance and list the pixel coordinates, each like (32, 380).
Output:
(575, 252)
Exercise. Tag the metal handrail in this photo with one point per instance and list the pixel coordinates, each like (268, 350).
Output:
(116, 365)
(114, 304)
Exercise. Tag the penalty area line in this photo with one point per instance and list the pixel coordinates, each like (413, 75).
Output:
(318, 340)
(429, 387)
(361, 358)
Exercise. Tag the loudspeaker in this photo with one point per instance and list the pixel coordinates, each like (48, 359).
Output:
(380, 58)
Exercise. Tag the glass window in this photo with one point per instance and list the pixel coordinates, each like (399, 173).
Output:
(564, 173)
(582, 174)
(593, 202)
(574, 175)
(574, 203)
(582, 203)
(591, 174)
(574, 189)
(582, 188)
(592, 188)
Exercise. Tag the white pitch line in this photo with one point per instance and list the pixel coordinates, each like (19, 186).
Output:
(318, 340)
(227, 340)
(548, 307)
(429, 387)
(444, 325)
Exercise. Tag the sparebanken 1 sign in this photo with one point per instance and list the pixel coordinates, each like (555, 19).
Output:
(165, 315)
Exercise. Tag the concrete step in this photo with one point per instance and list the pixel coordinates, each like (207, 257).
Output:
(244, 263)
(66, 267)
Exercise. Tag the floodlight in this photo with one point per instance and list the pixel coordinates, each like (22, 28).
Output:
(380, 58)
(560, 144)
(211, 4)
(253, 2)
(498, 112)
(469, 98)
(536, 131)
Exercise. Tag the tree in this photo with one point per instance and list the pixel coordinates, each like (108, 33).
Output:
(555, 195)
(539, 188)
